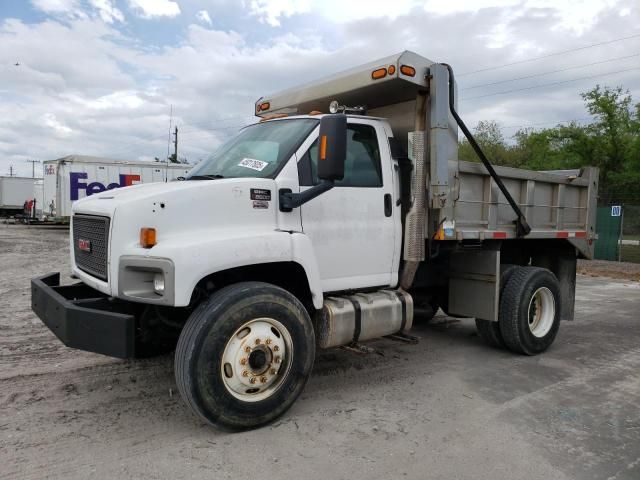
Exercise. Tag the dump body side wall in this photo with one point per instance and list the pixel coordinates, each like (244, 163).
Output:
(555, 205)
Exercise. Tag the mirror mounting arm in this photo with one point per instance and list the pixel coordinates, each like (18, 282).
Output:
(290, 200)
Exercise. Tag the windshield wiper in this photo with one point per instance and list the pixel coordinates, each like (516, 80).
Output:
(205, 177)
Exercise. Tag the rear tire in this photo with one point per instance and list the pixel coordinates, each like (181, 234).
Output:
(245, 355)
(490, 331)
(530, 310)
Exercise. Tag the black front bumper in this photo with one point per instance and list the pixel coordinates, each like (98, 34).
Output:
(83, 318)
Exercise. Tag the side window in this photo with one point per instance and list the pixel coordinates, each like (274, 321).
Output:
(362, 166)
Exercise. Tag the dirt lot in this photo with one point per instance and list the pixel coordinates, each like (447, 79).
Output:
(448, 407)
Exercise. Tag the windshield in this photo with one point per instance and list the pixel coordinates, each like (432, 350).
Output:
(257, 151)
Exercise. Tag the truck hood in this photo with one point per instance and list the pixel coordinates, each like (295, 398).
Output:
(106, 202)
(175, 208)
(192, 192)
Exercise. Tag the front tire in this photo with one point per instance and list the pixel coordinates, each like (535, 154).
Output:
(530, 310)
(245, 355)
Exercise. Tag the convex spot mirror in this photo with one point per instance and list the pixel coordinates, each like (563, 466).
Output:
(332, 148)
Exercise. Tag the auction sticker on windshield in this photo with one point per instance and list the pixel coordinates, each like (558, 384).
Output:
(253, 164)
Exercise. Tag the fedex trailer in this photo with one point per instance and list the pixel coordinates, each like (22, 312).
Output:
(73, 177)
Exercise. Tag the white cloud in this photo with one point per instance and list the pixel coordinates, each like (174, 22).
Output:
(271, 11)
(155, 8)
(117, 101)
(49, 120)
(204, 17)
(107, 11)
(55, 6)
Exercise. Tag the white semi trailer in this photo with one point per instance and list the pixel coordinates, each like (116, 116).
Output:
(339, 216)
(74, 177)
(14, 192)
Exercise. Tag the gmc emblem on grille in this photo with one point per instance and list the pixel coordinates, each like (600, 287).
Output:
(84, 245)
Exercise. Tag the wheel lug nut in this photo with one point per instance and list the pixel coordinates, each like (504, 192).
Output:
(276, 348)
(247, 349)
(257, 341)
(243, 361)
(268, 341)
(273, 371)
(277, 359)
(263, 379)
(252, 380)
(245, 374)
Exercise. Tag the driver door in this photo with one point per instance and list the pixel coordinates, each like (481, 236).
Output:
(352, 226)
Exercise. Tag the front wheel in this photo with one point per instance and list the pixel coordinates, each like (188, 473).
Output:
(244, 355)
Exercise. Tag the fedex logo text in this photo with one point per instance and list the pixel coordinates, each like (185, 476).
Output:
(76, 184)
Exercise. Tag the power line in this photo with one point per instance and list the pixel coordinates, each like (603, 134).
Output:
(550, 72)
(550, 84)
(562, 52)
(558, 122)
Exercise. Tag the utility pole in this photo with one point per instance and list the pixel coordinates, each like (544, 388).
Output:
(33, 167)
(175, 144)
(11, 170)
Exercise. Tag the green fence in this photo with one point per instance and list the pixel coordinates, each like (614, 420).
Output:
(609, 230)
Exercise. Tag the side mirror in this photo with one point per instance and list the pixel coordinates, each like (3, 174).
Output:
(332, 148)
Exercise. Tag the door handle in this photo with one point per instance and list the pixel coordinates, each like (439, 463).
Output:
(388, 205)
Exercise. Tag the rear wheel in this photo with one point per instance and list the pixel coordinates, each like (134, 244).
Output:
(245, 355)
(530, 310)
(490, 331)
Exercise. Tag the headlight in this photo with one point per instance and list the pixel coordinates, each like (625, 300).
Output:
(158, 283)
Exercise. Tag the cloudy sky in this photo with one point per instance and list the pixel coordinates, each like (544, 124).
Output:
(100, 77)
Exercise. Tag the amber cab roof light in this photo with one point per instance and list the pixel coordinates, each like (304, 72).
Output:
(408, 71)
(379, 73)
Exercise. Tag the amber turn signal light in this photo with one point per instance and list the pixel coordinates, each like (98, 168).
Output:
(147, 237)
(391, 70)
(323, 147)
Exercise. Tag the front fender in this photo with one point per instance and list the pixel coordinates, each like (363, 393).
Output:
(196, 257)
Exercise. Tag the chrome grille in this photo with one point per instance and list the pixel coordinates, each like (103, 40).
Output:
(91, 244)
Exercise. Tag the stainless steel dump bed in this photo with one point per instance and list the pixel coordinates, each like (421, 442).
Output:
(556, 205)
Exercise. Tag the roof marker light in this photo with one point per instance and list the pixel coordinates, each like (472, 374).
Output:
(379, 73)
(408, 71)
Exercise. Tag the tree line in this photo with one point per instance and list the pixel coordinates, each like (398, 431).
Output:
(610, 141)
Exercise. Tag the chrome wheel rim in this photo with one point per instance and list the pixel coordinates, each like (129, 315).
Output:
(256, 359)
(542, 312)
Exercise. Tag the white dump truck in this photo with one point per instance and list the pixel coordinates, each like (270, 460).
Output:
(341, 216)
(73, 177)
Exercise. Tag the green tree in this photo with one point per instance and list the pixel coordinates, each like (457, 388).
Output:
(611, 142)
(612, 129)
(489, 136)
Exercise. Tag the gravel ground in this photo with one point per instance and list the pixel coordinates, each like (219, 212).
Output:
(603, 268)
(448, 407)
